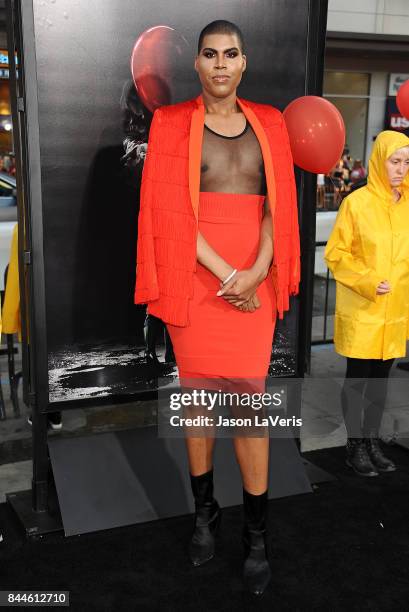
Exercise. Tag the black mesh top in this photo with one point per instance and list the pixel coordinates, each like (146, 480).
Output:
(232, 164)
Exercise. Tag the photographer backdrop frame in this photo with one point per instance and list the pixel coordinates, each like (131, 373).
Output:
(56, 313)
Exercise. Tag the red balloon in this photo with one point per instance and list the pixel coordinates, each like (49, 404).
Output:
(155, 59)
(317, 133)
(402, 99)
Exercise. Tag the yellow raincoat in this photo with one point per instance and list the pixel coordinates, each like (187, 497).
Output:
(370, 243)
(11, 306)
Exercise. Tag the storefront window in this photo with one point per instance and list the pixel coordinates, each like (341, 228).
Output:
(349, 92)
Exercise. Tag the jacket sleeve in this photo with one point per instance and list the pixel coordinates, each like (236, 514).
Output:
(294, 266)
(347, 269)
(146, 287)
(286, 260)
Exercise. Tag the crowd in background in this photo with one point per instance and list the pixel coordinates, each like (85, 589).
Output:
(332, 187)
(7, 164)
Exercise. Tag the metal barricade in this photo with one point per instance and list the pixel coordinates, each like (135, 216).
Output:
(324, 339)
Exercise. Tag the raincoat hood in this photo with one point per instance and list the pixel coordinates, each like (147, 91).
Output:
(385, 145)
(369, 243)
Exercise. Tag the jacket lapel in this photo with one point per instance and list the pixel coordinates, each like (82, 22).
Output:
(195, 152)
(266, 151)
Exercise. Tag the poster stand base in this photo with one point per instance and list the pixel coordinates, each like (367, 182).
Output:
(116, 479)
(122, 478)
(316, 474)
(35, 524)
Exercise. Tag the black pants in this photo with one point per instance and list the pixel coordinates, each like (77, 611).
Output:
(363, 395)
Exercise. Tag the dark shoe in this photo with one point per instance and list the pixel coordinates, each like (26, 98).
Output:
(382, 463)
(54, 421)
(256, 569)
(207, 519)
(358, 458)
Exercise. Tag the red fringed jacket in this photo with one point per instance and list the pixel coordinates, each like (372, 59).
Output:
(168, 216)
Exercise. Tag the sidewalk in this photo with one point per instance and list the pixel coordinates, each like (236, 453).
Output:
(323, 425)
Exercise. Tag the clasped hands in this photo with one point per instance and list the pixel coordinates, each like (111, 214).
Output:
(240, 291)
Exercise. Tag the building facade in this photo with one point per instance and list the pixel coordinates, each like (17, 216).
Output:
(367, 57)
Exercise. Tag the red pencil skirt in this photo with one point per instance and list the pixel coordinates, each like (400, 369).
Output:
(222, 344)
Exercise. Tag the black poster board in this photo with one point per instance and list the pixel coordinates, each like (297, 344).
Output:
(73, 105)
(77, 113)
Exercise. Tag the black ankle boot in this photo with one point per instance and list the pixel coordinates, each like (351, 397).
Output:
(207, 519)
(382, 463)
(358, 458)
(256, 570)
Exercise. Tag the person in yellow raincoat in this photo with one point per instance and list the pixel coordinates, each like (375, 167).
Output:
(368, 255)
(11, 318)
(11, 306)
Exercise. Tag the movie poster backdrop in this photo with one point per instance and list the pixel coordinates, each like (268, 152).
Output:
(94, 124)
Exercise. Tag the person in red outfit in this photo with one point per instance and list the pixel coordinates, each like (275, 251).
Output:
(217, 258)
